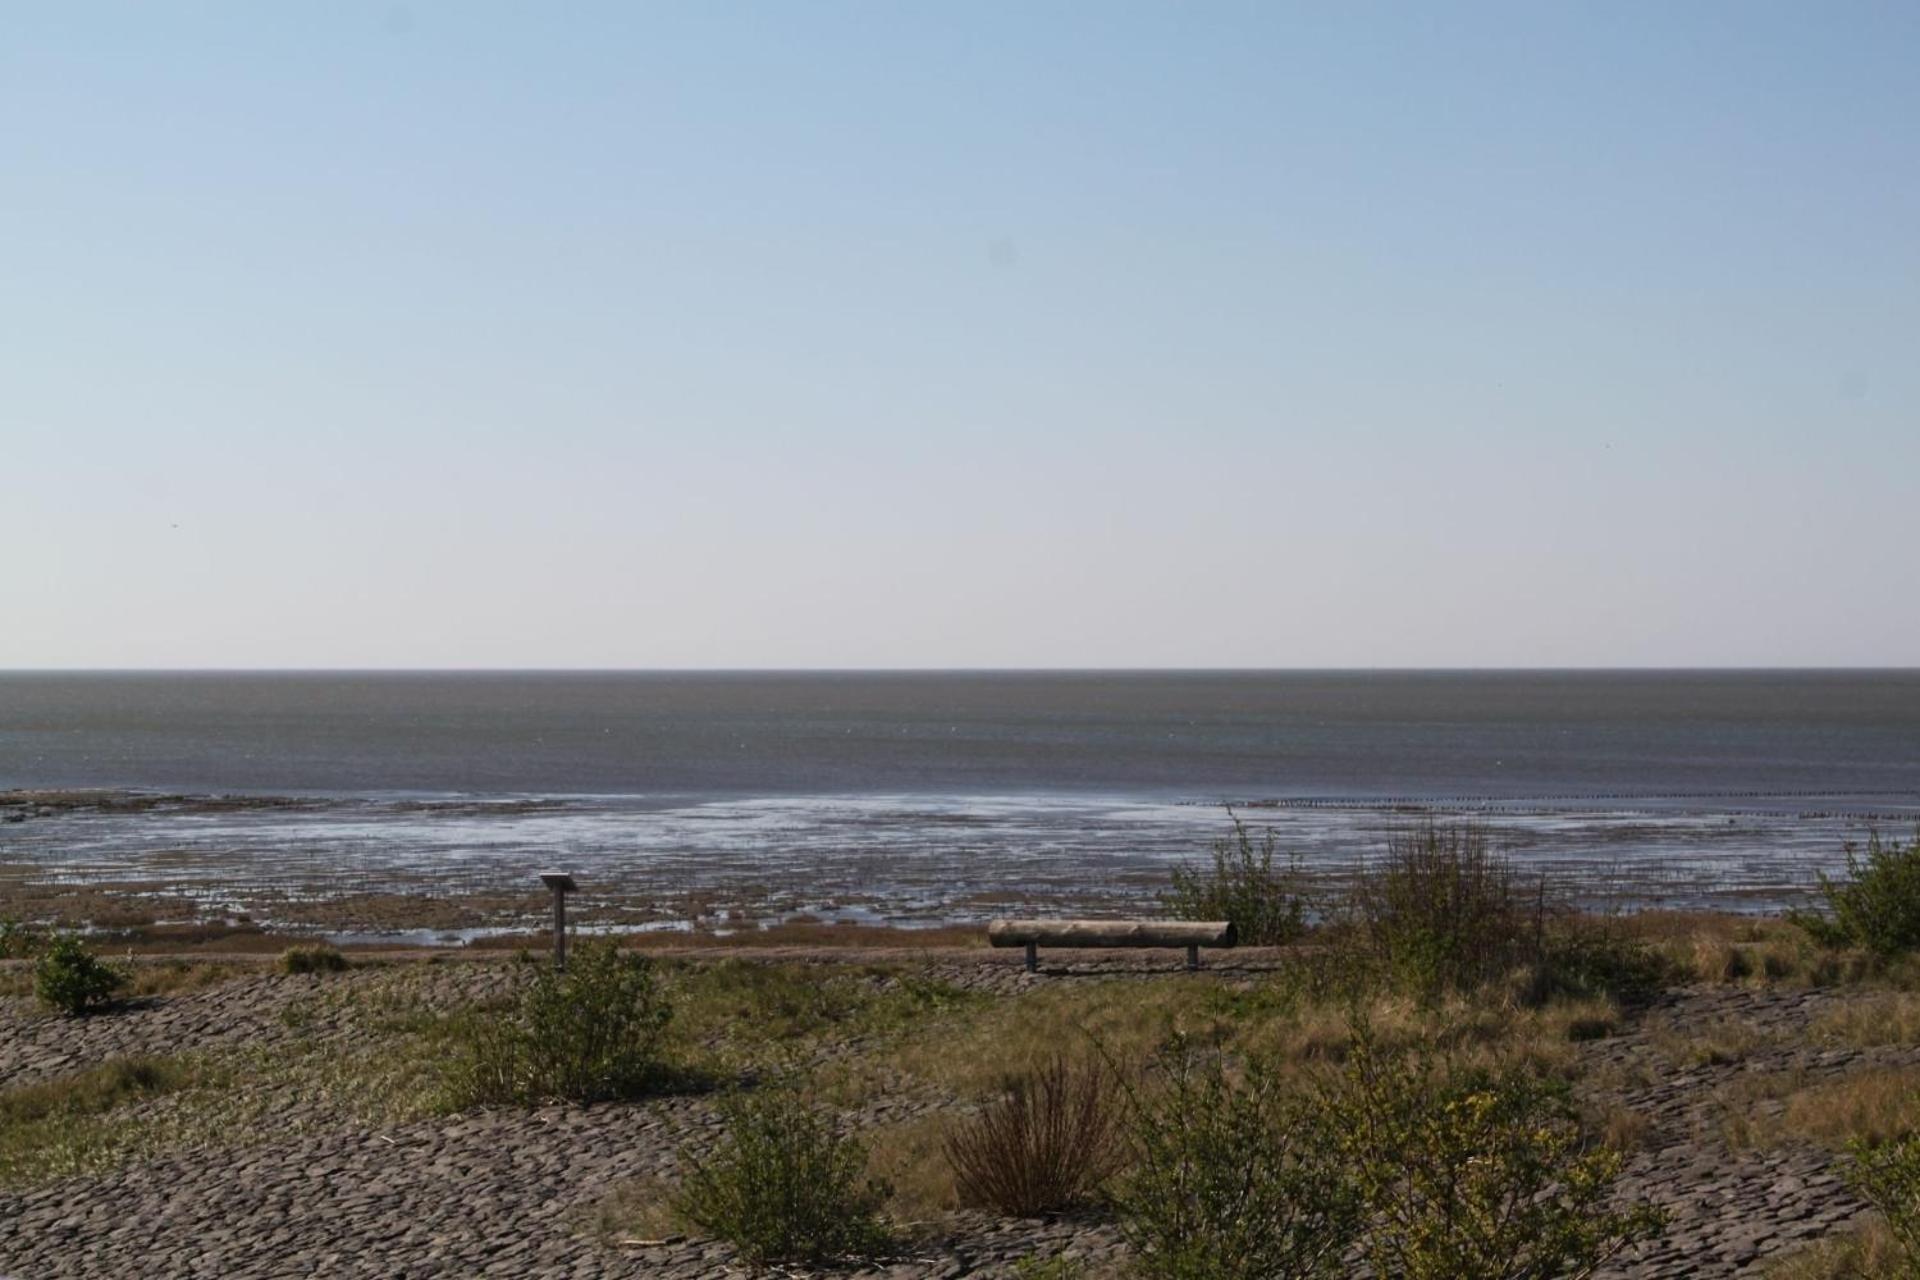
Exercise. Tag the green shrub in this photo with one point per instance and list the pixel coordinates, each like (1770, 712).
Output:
(1234, 1179)
(318, 958)
(1877, 905)
(1887, 1177)
(72, 979)
(1443, 912)
(1479, 1172)
(1242, 885)
(1046, 1143)
(1587, 956)
(784, 1185)
(591, 1033)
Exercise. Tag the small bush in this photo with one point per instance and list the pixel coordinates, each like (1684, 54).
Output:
(1048, 1142)
(1877, 905)
(319, 958)
(1243, 886)
(784, 1185)
(1888, 1178)
(72, 979)
(1442, 912)
(1582, 956)
(589, 1034)
(1471, 1171)
(1234, 1180)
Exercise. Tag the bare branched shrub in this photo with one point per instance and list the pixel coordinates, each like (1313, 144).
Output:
(1264, 902)
(1048, 1142)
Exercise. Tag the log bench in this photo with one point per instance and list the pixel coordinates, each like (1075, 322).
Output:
(1034, 934)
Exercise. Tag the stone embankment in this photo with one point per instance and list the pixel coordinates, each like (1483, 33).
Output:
(514, 1193)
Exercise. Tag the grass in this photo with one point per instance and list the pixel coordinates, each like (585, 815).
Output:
(1870, 1253)
(79, 1122)
(971, 1053)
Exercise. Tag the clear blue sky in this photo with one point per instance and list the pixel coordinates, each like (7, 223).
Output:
(980, 334)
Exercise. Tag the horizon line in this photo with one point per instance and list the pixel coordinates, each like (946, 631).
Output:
(1648, 668)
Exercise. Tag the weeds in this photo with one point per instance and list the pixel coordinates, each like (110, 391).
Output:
(1047, 1143)
(1243, 886)
(784, 1185)
(67, 1126)
(1443, 912)
(587, 1034)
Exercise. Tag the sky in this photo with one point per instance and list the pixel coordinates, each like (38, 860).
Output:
(968, 335)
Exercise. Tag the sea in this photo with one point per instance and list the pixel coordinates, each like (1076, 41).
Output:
(922, 798)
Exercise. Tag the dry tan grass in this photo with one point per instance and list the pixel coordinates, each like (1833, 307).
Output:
(1763, 1109)
(1717, 1043)
(909, 1158)
(1725, 948)
(1126, 1020)
(174, 975)
(634, 1210)
(1876, 1104)
(1868, 1254)
(1620, 1128)
(1871, 1019)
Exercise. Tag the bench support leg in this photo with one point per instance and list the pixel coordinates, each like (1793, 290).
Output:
(1193, 957)
(1033, 958)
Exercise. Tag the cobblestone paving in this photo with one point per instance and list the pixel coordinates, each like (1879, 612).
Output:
(509, 1193)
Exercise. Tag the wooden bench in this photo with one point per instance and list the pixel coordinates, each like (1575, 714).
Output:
(1034, 934)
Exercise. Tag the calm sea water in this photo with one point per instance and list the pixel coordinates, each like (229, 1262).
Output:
(915, 795)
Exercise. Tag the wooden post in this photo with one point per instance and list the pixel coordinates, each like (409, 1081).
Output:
(1033, 957)
(1193, 956)
(562, 884)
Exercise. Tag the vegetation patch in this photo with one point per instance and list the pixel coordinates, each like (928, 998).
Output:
(1477, 1171)
(1048, 1142)
(590, 1033)
(785, 1184)
(78, 1122)
(746, 1005)
(1876, 904)
(315, 958)
(1265, 903)
(71, 979)
(1234, 1177)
